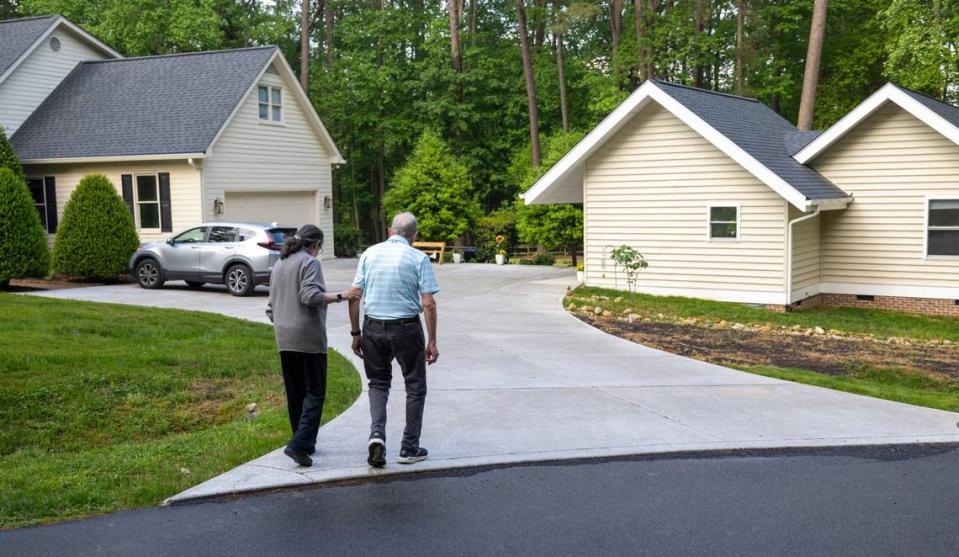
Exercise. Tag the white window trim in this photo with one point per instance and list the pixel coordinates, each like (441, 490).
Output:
(136, 203)
(269, 105)
(925, 227)
(43, 189)
(709, 221)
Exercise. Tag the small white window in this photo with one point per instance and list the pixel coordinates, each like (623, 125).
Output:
(723, 222)
(943, 231)
(270, 103)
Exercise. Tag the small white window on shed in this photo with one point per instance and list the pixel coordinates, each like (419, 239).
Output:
(270, 102)
(943, 232)
(723, 222)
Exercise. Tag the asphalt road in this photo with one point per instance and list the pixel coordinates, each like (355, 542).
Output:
(850, 501)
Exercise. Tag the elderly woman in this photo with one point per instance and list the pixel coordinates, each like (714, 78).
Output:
(297, 308)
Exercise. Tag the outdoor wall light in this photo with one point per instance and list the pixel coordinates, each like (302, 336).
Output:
(327, 202)
(217, 206)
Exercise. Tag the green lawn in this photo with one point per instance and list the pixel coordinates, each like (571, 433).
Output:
(105, 407)
(879, 323)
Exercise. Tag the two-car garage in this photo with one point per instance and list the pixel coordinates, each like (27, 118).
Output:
(287, 209)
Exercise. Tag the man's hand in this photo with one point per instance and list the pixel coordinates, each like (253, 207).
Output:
(356, 346)
(352, 294)
(432, 353)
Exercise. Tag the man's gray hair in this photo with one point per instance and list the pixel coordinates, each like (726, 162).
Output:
(404, 224)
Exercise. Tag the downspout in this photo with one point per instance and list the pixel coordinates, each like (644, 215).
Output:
(789, 253)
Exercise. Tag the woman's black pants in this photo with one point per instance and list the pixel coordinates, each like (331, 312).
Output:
(304, 376)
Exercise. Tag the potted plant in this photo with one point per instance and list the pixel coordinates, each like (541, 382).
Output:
(500, 249)
(457, 257)
(580, 273)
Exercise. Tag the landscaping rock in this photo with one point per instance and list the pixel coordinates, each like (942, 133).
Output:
(618, 299)
(660, 316)
(632, 318)
(598, 310)
(571, 307)
(607, 314)
(819, 331)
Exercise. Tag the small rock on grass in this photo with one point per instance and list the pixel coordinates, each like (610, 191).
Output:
(819, 331)
(607, 313)
(598, 310)
(618, 299)
(571, 307)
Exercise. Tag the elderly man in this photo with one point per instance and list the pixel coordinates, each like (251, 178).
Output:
(397, 284)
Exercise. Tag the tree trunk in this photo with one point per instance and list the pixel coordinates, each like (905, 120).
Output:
(539, 24)
(740, 70)
(639, 20)
(473, 23)
(616, 27)
(650, 54)
(6, 9)
(561, 73)
(530, 82)
(817, 32)
(455, 47)
(305, 45)
(699, 21)
(329, 35)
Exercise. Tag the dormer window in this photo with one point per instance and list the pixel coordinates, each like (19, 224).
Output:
(270, 103)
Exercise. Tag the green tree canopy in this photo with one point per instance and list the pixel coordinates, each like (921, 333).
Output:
(96, 236)
(8, 158)
(551, 226)
(23, 243)
(435, 186)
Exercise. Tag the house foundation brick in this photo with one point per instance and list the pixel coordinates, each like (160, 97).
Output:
(926, 306)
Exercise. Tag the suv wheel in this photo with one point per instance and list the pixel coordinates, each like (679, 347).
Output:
(149, 275)
(239, 280)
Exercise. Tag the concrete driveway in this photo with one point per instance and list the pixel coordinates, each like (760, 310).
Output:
(521, 380)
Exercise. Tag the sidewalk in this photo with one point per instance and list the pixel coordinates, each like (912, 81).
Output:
(521, 380)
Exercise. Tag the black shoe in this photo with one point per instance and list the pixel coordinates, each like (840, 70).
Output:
(299, 457)
(412, 456)
(377, 448)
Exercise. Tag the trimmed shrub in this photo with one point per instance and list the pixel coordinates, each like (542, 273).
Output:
(544, 259)
(23, 242)
(96, 236)
(346, 240)
(8, 158)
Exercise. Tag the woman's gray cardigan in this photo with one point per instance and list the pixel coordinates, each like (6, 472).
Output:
(296, 307)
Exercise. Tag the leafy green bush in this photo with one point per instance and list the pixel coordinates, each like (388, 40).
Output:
(435, 186)
(8, 158)
(544, 259)
(23, 243)
(96, 237)
(346, 240)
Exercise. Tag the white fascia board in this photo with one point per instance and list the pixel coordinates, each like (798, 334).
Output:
(887, 93)
(93, 41)
(116, 158)
(635, 102)
(589, 144)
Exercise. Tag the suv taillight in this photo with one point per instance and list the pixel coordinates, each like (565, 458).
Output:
(269, 245)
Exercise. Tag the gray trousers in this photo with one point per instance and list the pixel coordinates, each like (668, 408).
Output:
(382, 342)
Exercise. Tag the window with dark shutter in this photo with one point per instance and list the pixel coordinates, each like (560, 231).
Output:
(39, 195)
(166, 210)
(127, 182)
(50, 191)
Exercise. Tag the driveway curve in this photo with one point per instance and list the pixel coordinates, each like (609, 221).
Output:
(519, 380)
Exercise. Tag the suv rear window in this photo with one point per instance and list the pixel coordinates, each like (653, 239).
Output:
(279, 235)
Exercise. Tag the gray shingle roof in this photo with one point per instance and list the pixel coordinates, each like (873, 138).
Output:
(140, 106)
(760, 132)
(949, 112)
(16, 36)
(795, 141)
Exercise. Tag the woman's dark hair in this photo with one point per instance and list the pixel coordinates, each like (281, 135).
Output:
(306, 237)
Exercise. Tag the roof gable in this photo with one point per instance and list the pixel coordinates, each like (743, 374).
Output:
(940, 116)
(19, 37)
(744, 129)
(141, 106)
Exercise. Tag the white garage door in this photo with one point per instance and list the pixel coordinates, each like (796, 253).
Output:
(287, 209)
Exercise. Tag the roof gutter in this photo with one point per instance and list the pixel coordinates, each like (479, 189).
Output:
(116, 158)
(789, 252)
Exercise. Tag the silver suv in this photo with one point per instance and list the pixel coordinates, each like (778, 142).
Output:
(239, 255)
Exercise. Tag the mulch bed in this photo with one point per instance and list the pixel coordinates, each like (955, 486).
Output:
(55, 283)
(817, 353)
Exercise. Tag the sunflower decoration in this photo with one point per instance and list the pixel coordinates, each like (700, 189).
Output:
(500, 244)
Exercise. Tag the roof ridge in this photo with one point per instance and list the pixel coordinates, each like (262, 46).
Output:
(29, 18)
(921, 94)
(175, 54)
(710, 91)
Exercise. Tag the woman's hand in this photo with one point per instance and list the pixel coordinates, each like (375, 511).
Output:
(352, 294)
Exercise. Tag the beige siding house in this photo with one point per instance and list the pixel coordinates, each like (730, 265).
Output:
(187, 138)
(728, 201)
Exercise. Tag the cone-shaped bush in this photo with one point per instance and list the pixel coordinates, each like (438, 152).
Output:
(96, 236)
(23, 243)
(8, 158)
